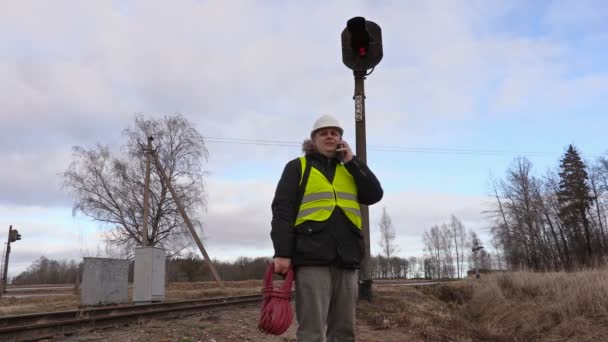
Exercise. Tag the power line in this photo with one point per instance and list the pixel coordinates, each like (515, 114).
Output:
(421, 150)
(252, 142)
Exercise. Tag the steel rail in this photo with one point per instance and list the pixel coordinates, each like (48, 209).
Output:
(32, 327)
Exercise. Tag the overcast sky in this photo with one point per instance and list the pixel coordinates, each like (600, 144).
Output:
(464, 88)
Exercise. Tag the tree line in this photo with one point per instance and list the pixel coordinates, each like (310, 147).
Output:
(553, 222)
(189, 268)
(448, 251)
(193, 268)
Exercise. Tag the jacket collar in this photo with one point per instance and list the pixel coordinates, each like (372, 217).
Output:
(310, 151)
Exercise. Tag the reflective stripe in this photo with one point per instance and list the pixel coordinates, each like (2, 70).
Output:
(353, 210)
(309, 211)
(346, 195)
(317, 196)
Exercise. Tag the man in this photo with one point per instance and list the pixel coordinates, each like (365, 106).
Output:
(316, 228)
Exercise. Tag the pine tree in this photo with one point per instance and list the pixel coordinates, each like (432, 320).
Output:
(574, 197)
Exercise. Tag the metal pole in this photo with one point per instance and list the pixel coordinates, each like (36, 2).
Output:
(476, 248)
(144, 228)
(187, 220)
(5, 270)
(476, 265)
(365, 279)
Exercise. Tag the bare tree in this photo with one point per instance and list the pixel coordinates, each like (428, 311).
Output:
(447, 252)
(432, 245)
(458, 234)
(551, 187)
(497, 252)
(398, 267)
(109, 188)
(597, 192)
(413, 267)
(440, 243)
(387, 235)
(600, 176)
(520, 219)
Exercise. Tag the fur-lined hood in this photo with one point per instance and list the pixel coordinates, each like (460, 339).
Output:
(308, 147)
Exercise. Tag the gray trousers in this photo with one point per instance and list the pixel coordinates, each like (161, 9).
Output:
(326, 300)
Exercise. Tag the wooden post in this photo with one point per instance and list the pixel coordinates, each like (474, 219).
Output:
(6, 256)
(365, 276)
(187, 220)
(144, 228)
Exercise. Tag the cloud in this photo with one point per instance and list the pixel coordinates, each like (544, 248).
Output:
(216, 62)
(239, 217)
(75, 73)
(31, 178)
(239, 213)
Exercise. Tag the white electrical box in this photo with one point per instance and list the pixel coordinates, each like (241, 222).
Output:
(149, 275)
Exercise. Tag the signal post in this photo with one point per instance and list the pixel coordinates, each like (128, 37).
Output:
(361, 51)
(13, 235)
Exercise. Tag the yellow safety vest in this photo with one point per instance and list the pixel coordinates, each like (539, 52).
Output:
(321, 196)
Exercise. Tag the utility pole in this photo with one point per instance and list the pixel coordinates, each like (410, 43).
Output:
(144, 229)
(5, 269)
(186, 219)
(13, 235)
(361, 51)
(2, 270)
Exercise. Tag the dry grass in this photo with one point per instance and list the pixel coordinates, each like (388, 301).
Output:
(520, 306)
(18, 306)
(411, 310)
(541, 306)
(174, 291)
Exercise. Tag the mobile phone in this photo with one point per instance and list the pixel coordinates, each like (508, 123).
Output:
(340, 153)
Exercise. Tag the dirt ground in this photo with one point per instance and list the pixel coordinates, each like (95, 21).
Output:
(238, 324)
(397, 313)
(453, 312)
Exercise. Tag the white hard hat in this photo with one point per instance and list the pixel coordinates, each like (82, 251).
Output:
(326, 121)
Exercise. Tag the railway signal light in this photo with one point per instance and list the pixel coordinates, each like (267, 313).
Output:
(14, 235)
(361, 44)
(361, 51)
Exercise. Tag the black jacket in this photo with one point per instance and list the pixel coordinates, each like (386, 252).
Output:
(334, 241)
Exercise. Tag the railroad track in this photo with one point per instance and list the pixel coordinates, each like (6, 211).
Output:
(32, 327)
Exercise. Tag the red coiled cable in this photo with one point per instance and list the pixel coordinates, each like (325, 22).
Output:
(276, 314)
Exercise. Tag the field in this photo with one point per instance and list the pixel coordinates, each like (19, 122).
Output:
(518, 306)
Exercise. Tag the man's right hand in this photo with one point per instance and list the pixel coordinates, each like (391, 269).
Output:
(282, 265)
